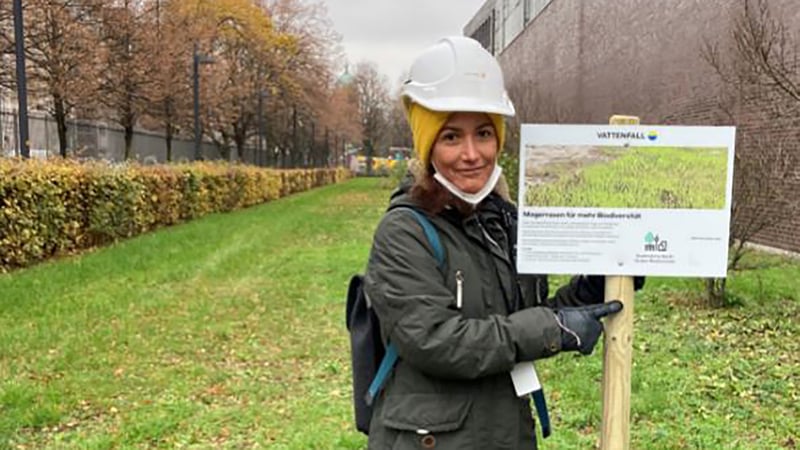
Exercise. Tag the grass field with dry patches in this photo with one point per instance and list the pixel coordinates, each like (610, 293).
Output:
(634, 177)
(228, 332)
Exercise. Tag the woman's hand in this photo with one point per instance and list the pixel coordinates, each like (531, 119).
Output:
(581, 327)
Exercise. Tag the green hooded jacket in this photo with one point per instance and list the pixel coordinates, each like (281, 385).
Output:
(451, 387)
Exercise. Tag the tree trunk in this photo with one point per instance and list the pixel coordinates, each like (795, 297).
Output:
(239, 141)
(128, 140)
(268, 155)
(239, 138)
(61, 124)
(294, 149)
(326, 150)
(368, 151)
(128, 121)
(336, 150)
(225, 147)
(168, 128)
(715, 292)
(169, 141)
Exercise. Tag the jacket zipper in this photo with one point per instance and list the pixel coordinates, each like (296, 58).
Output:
(459, 288)
(538, 292)
(488, 236)
(515, 281)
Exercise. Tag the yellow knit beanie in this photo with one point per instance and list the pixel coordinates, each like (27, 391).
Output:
(425, 125)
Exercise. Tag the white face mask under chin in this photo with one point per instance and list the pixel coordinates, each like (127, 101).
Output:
(472, 199)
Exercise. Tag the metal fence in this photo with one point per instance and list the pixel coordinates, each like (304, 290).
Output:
(96, 140)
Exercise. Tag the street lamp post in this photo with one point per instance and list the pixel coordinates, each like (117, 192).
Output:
(197, 59)
(22, 94)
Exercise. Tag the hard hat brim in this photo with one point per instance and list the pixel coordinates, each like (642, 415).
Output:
(465, 104)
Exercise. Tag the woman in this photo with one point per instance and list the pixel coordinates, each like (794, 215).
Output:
(460, 329)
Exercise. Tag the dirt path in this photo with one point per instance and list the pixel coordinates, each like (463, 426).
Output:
(547, 163)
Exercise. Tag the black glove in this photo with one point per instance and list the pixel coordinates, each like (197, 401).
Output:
(581, 326)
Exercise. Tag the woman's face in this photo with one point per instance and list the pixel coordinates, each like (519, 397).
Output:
(465, 150)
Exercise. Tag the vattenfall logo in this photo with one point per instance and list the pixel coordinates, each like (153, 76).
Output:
(640, 135)
(652, 243)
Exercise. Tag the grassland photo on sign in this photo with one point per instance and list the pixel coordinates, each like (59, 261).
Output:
(625, 177)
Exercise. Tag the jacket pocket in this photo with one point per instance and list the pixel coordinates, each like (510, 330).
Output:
(421, 413)
(427, 421)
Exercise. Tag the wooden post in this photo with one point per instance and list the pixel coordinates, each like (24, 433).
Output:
(617, 359)
(618, 353)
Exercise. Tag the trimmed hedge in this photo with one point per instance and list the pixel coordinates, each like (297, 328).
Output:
(57, 207)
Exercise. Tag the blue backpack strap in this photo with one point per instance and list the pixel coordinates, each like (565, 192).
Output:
(387, 363)
(432, 235)
(390, 358)
(541, 411)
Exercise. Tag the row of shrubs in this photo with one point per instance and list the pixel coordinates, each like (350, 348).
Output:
(56, 207)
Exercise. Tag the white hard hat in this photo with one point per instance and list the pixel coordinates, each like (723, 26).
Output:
(457, 74)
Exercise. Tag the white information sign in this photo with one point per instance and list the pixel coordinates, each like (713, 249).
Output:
(625, 200)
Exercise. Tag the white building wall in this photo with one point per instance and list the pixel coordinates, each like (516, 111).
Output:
(510, 19)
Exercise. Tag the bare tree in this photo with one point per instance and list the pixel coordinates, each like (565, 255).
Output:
(399, 134)
(373, 108)
(758, 67)
(130, 61)
(62, 53)
(168, 93)
(767, 52)
(7, 67)
(303, 73)
(231, 32)
(124, 78)
(339, 116)
(268, 56)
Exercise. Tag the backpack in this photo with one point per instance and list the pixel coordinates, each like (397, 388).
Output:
(372, 362)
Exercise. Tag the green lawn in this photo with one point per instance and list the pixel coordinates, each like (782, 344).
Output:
(639, 177)
(228, 332)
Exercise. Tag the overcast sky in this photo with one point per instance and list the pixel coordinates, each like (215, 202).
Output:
(392, 32)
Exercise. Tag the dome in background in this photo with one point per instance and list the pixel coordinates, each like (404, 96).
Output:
(346, 78)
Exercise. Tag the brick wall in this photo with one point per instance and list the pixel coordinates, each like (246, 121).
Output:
(581, 61)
